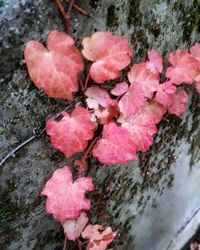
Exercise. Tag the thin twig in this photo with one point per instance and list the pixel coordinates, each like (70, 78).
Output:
(68, 16)
(78, 8)
(60, 7)
(27, 141)
(87, 78)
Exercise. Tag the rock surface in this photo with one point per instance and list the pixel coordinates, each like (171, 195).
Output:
(134, 203)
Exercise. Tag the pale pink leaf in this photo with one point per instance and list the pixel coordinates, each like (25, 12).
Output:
(132, 101)
(165, 93)
(155, 111)
(100, 96)
(184, 67)
(110, 54)
(145, 77)
(65, 198)
(116, 145)
(54, 69)
(74, 228)
(155, 60)
(195, 51)
(141, 129)
(99, 237)
(179, 104)
(120, 89)
(71, 134)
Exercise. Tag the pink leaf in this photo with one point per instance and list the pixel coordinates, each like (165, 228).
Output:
(65, 198)
(195, 51)
(97, 95)
(179, 103)
(132, 101)
(71, 134)
(73, 228)
(165, 93)
(155, 60)
(141, 129)
(54, 69)
(120, 89)
(155, 111)
(184, 67)
(144, 76)
(109, 53)
(99, 237)
(115, 147)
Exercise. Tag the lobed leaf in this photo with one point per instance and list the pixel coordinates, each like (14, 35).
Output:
(184, 67)
(110, 54)
(65, 198)
(180, 100)
(165, 93)
(116, 145)
(99, 237)
(54, 69)
(71, 134)
(120, 89)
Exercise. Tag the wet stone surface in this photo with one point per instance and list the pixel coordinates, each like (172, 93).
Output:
(151, 201)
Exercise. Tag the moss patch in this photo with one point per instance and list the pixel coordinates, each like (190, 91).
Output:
(112, 19)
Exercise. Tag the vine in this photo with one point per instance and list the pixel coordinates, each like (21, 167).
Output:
(111, 126)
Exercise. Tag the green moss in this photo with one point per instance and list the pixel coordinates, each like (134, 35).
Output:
(5, 211)
(140, 39)
(24, 209)
(153, 28)
(112, 19)
(135, 15)
(191, 20)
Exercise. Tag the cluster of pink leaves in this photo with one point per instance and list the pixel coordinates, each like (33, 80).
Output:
(129, 114)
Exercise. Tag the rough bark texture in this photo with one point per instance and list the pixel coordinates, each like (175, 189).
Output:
(125, 194)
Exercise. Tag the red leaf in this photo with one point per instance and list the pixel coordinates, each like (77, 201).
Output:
(71, 134)
(97, 96)
(115, 147)
(65, 198)
(195, 51)
(155, 111)
(155, 60)
(184, 67)
(165, 93)
(73, 228)
(132, 101)
(179, 103)
(144, 76)
(54, 69)
(109, 53)
(120, 89)
(141, 129)
(98, 236)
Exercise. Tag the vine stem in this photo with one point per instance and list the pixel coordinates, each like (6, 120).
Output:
(30, 139)
(79, 244)
(65, 243)
(78, 8)
(68, 16)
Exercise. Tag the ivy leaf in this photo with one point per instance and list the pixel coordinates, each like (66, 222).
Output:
(144, 76)
(73, 228)
(155, 111)
(180, 100)
(115, 147)
(155, 61)
(97, 96)
(132, 101)
(165, 93)
(71, 134)
(195, 51)
(120, 89)
(65, 198)
(99, 237)
(54, 69)
(184, 67)
(141, 129)
(109, 53)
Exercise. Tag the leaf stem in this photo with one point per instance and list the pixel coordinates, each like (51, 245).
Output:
(79, 244)
(68, 16)
(60, 7)
(65, 243)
